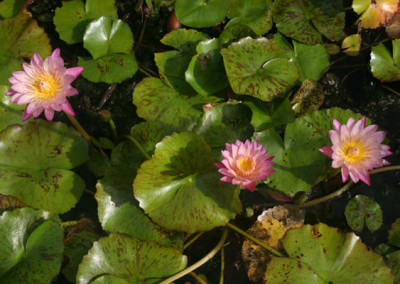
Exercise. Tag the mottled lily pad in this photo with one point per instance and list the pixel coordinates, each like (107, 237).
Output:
(308, 98)
(384, 65)
(305, 22)
(122, 259)
(157, 102)
(179, 186)
(35, 163)
(173, 64)
(206, 72)
(105, 36)
(259, 68)
(393, 261)
(119, 211)
(20, 37)
(72, 18)
(110, 69)
(31, 246)
(394, 233)
(362, 209)
(201, 13)
(322, 254)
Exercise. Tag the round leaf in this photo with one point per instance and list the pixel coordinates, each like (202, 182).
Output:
(20, 37)
(384, 66)
(201, 13)
(154, 99)
(302, 21)
(35, 159)
(31, 246)
(179, 186)
(107, 36)
(126, 260)
(119, 211)
(351, 44)
(206, 72)
(362, 208)
(260, 68)
(322, 254)
(110, 69)
(312, 60)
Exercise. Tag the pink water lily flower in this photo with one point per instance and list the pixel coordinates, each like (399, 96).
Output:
(356, 149)
(245, 164)
(44, 86)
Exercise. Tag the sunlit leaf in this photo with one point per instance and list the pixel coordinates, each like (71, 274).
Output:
(260, 68)
(375, 13)
(20, 37)
(110, 69)
(385, 66)
(322, 254)
(122, 259)
(35, 163)
(351, 44)
(304, 22)
(10, 8)
(31, 246)
(154, 99)
(179, 186)
(201, 13)
(308, 98)
(362, 209)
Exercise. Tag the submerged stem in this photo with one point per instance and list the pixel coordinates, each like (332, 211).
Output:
(344, 188)
(201, 261)
(253, 239)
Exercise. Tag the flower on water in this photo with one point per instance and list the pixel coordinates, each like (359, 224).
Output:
(356, 149)
(245, 164)
(44, 85)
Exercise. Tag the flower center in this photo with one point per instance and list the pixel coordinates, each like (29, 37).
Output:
(245, 166)
(353, 152)
(46, 87)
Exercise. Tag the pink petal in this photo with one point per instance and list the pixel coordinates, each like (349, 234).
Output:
(49, 113)
(68, 109)
(74, 71)
(327, 150)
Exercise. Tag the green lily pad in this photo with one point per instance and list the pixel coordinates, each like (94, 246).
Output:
(20, 37)
(394, 233)
(157, 102)
(11, 8)
(362, 209)
(385, 66)
(110, 69)
(308, 98)
(105, 36)
(305, 22)
(173, 64)
(79, 239)
(298, 163)
(323, 254)
(312, 60)
(375, 13)
(254, 14)
(270, 114)
(201, 13)
(393, 261)
(122, 259)
(35, 163)
(225, 123)
(119, 211)
(351, 44)
(10, 113)
(206, 72)
(179, 186)
(72, 18)
(259, 68)
(31, 246)
(127, 154)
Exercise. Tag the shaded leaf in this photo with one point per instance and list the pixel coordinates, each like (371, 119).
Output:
(179, 186)
(394, 233)
(308, 98)
(393, 261)
(122, 259)
(322, 254)
(10, 8)
(34, 164)
(362, 209)
(385, 66)
(260, 68)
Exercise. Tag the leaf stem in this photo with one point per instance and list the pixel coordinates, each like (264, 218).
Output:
(113, 129)
(79, 127)
(390, 89)
(221, 278)
(197, 277)
(137, 144)
(196, 265)
(192, 240)
(344, 188)
(253, 239)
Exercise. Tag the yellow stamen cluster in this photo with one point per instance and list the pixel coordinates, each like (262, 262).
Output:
(245, 166)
